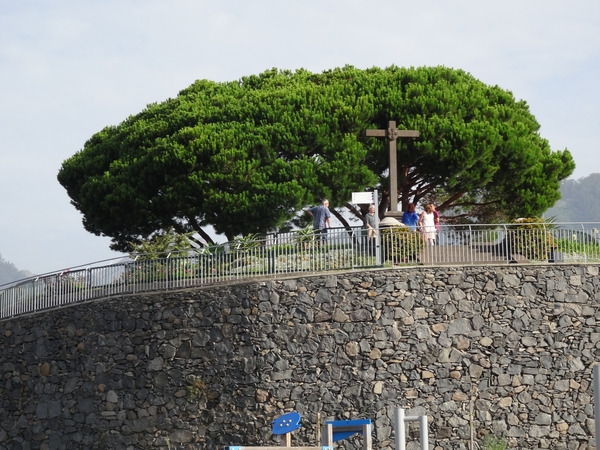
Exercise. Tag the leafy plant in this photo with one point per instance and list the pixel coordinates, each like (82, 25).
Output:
(578, 244)
(161, 244)
(305, 236)
(247, 242)
(531, 238)
(211, 250)
(401, 244)
(493, 442)
(196, 388)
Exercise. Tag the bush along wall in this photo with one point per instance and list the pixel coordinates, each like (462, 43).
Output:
(504, 350)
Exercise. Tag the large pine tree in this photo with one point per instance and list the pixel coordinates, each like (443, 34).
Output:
(246, 156)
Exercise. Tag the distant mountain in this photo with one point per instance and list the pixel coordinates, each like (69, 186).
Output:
(580, 200)
(9, 273)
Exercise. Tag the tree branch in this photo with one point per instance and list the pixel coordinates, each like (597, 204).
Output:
(205, 236)
(476, 204)
(448, 202)
(341, 218)
(358, 213)
(196, 226)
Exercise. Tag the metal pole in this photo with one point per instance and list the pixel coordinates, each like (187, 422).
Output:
(597, 401)
(400, 431)
(377, 237)
(424, 432)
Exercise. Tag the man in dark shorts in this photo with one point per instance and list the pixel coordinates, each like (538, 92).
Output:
(321, 218)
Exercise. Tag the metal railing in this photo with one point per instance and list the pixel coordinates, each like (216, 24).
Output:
(302, 252)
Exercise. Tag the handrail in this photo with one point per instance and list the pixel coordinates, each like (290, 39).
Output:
(300, 252)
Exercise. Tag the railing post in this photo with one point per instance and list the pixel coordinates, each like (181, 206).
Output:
(424, 432)
(471, 245)
(271, 255)
(400, 430)
(378, 256)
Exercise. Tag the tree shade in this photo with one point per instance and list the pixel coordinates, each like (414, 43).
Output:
(246, 156)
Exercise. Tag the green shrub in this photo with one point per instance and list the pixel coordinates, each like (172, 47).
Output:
(578, 242)
(249, 242)
(306, 237)
(531, 238)
(161, 244)
(492, 442)
(196, 388)
(401, 244)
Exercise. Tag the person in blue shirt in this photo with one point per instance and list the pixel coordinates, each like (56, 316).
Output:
(321, 217)
(410, 217)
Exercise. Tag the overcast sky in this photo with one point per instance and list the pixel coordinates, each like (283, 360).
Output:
(68, 68)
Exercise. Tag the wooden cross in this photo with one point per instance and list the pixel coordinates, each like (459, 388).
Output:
(393, 133)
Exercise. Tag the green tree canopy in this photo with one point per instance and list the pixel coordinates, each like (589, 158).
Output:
(246, 156)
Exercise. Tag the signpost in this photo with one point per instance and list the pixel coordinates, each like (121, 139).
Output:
(366, 198)
(282, 426)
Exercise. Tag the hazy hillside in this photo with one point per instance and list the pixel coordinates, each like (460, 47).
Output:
(8, 272)
(580, 200)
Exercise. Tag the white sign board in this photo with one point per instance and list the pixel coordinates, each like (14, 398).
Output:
(362, 197)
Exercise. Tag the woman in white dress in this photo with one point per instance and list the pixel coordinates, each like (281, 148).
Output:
(427, 223)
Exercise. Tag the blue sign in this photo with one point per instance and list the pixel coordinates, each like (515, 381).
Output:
(287, 423)
(343, 429)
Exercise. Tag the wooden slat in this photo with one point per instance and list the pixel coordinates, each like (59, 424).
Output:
(376, 133)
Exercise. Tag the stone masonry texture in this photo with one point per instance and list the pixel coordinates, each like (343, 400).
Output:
(507, 350)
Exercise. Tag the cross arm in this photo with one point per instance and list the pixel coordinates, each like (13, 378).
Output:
(376, 133)
(395, 133)
(408, 133)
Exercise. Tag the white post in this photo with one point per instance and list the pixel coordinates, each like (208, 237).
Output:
(400, 431)
(399, 426)
(327, 436)
(367, 437)
(377, 236)
(424, 432)
(597, 402)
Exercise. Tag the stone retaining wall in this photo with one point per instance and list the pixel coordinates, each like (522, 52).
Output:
(505, 349)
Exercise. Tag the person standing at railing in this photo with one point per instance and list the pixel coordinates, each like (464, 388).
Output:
(321, 218)
(436, 220)
(371, 226)
(410, 218)
(370, 222)
(427, 224)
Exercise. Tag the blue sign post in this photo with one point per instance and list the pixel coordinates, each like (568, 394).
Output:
(336, 430)
(283, 425)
